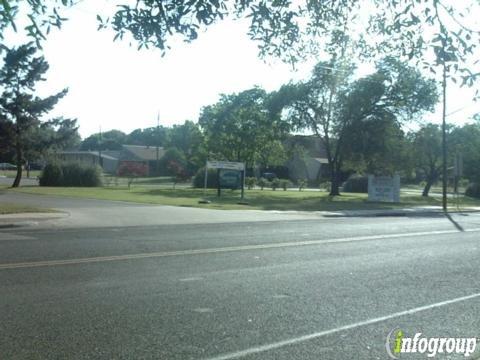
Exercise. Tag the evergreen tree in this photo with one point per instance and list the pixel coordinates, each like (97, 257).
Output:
(21, 110)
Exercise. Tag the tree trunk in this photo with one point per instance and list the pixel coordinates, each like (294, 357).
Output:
(335, 186)
(18, 177)
(428, 185)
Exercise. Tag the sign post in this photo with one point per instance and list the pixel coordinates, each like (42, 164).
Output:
(384, 188)
(227, 174)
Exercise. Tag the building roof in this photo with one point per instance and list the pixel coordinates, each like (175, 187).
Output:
(142, 153)
(93, 153)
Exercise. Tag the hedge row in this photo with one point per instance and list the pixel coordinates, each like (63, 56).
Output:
(70, 174)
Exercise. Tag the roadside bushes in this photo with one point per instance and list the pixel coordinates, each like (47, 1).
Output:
(262, 182)
(473, 190)
(199, 178)
(250, 182)
(356, 184)
(70, 174)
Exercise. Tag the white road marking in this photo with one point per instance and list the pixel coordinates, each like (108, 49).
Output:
(34, 264)
(300, 339)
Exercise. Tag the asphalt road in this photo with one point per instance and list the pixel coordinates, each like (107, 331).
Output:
(299, 289)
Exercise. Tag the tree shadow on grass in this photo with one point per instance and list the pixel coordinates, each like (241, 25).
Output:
(269, 200)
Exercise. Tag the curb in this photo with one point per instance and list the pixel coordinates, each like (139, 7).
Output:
(397, 213)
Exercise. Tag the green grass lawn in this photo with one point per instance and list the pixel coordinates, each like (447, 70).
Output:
(257, 199)
(7, 208)
(13, 173)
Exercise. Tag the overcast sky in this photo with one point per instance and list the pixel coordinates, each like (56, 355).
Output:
(115, 86)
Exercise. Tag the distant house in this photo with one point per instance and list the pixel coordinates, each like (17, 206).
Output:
(143, 154)
(309, 160)
(111, 160)
(109, 163)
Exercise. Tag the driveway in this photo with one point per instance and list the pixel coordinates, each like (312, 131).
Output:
(102, 213)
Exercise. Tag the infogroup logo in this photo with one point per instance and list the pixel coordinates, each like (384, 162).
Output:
(397, 343)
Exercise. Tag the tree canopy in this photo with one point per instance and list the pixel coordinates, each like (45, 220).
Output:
(331, 104)
(287, 29)
(241, 126)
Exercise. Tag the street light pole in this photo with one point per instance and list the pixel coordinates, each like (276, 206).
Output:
(444, 137)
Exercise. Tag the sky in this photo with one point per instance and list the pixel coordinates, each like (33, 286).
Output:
(115, 86)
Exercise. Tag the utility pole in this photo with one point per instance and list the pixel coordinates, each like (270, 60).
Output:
(100, 160)
(444, 130)
(157, 142)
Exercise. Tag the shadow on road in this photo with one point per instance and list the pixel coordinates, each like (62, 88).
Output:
(456, 224)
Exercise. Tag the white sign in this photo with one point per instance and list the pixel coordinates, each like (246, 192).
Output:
(226, 165)
(384, 188)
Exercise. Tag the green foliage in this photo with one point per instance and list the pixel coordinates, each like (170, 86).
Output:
(70, 174)
(172, 155)
(473, 190)
(285, 184)
(51, 175)
(152, 136)
(241, 126)
(465, 141)
(212, 179)
(262, 182)
(21, 111)
(326, 186)
(302, 184)
(356, 184)
(290, 30)
(109, 140)
(336, 108)
(250, 182)
(275, 184)
(190, 141)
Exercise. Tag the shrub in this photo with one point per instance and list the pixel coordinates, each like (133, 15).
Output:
(70, 174)
(473, 190)
(51, 175)
(250, 182)
(356, 184)
(285, 184)
(326, 186)
(262, 182)
(199, 178)
(132, 170)
(172, 155)
(275, 183)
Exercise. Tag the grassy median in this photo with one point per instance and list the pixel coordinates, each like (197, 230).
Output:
(7, 208)
(257, 199)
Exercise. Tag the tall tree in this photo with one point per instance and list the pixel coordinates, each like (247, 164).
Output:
(427, 145)
(240, 125)
(188, 138)
(377, 146)
(108, 140)
(330, 103)
(20, 110)
(465, 141)
(152, 136)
